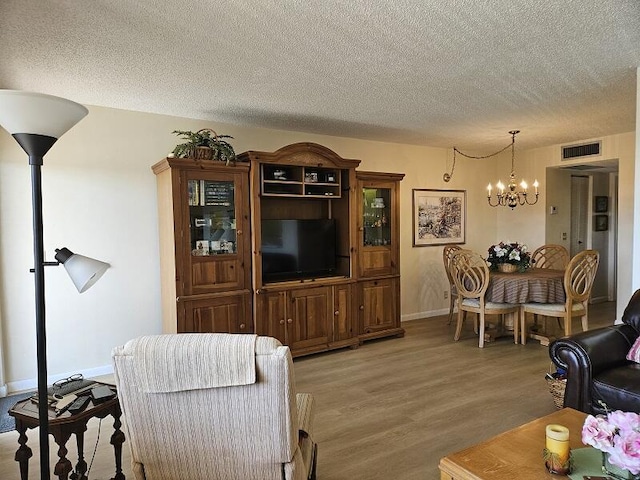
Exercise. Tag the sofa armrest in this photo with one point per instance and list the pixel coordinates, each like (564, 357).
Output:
(585, 355)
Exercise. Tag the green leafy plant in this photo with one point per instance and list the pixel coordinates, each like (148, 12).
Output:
(220, 149)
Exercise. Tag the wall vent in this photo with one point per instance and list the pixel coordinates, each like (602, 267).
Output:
(585, 150)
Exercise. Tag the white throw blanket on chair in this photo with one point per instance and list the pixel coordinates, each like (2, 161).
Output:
(230, 360)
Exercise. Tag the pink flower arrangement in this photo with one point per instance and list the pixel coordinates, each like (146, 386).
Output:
(618, 434)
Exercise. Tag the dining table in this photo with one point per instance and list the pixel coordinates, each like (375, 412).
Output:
(533, 285)
(537, 285)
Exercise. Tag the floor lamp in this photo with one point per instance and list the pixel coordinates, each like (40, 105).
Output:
(36, 121)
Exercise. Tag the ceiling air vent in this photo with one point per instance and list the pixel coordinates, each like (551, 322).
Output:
(585, 150)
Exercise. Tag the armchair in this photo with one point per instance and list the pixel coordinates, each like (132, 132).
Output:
(597, 368)
(214, 406)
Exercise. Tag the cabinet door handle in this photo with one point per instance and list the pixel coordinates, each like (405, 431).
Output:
(242, 325)
(361, 307)
(289, 320)
(282, 322)
(336, 313)
(239, 232)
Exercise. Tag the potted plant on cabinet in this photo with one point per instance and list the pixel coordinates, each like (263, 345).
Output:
(205, 144)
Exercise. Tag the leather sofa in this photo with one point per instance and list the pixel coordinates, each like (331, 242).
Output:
(596, 365)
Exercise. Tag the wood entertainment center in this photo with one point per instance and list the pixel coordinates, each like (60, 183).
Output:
(218, 275)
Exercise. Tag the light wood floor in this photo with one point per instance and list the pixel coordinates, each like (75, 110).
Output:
(393, 407)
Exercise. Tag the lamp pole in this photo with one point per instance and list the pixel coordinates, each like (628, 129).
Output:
(36, 146)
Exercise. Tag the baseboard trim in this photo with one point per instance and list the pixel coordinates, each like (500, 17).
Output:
(32, 383)
(421, 315)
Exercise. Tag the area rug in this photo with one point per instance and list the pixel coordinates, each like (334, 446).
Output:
(7, 422)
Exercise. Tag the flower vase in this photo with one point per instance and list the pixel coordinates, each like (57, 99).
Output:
(507, 267)
(616, 472)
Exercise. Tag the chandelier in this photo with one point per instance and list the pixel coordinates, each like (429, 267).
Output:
(511, 196)
(508, 196)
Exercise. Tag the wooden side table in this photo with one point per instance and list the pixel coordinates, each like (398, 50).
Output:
(62, 427)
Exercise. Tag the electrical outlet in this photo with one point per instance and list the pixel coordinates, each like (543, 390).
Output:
(446, 294)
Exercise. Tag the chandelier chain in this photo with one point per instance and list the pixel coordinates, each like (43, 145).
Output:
(448, 176)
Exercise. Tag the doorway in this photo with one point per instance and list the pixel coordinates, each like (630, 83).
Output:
(579, 213)
(572, 219)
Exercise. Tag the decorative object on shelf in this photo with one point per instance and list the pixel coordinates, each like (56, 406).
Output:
(36, 121)
(439, 217)
(205, 144)
(617, 436)
(557, 454)
(509, 253)
(377, 202)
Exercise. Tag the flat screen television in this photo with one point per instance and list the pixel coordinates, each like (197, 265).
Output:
(293, 249)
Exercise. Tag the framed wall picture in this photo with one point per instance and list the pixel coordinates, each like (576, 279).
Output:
(601, 204)
(601, 223)
(439, 217)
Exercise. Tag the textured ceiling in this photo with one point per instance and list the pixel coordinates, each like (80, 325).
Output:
(432, 72)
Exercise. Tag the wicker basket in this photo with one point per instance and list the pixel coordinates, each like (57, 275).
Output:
(557, 387)
(204, 153)
(507, 267)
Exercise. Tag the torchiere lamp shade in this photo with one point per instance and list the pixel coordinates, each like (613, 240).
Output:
(38, 113)
(84, 271)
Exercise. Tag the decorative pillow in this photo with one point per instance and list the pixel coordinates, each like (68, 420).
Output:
(634, 353)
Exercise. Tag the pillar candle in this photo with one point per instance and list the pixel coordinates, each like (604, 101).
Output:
(557, 441)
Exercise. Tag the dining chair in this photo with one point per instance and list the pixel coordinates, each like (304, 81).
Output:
(471, 276)
(550, 256)
(447, 253)
(578, 281)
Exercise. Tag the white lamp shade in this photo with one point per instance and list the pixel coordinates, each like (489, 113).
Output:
(37, 113)
(84, 271)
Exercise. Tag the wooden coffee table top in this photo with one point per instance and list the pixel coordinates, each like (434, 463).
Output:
(513, 454)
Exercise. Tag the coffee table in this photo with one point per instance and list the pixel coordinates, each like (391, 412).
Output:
(513, 454)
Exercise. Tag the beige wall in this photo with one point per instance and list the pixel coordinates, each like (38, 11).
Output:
(100, 200)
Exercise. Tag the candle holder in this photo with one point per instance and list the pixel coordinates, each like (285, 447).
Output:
(557, 465)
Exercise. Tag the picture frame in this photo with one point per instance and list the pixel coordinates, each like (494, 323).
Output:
(601, 204)
(601, 223)
(439, 217)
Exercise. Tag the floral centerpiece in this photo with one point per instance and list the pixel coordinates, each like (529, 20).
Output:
(617, 436)
(509, 253)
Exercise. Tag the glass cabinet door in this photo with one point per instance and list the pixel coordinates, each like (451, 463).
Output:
(376, 221)
(212, 222)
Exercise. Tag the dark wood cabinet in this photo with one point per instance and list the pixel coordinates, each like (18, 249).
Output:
(203, 213)
(211, 221)
(379, 312)
(378, 256)
(217, 314)
(296, 317)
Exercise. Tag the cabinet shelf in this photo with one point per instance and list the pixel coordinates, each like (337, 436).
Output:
(300, 181)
